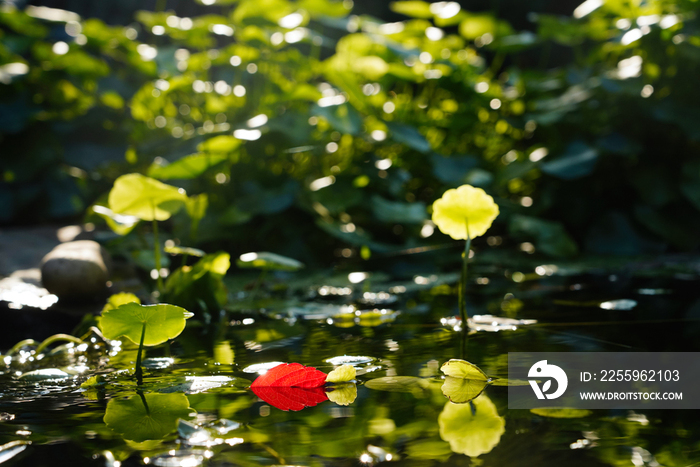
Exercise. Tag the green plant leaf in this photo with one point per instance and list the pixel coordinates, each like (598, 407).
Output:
(150, 416)
(463, 369)
(578, 161)
(145, 198)
(267, 260)
(460, 390)
(119, 223)
(398, 212)
(186, 168)
(119, 299)
(409, 136)
(192, 286)
(412, 8)
(162, 322)
(183, 250)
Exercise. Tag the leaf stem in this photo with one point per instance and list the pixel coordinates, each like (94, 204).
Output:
(463, 283)
(139, 372)
(145, 404)
(57, 338)
(156, 252)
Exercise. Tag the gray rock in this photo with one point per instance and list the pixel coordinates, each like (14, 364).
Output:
(76, 270)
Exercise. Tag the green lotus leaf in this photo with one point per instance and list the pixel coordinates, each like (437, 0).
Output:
(559, 412)
(147, 417)
(145, 198)
(162, 322)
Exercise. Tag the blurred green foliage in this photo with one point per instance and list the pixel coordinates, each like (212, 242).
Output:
(324, 133)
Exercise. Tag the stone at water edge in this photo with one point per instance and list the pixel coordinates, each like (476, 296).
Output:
(76, 270)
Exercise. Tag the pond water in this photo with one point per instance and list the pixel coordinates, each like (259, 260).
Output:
(195, 407)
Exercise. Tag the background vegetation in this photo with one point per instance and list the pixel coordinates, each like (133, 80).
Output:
(319, 133)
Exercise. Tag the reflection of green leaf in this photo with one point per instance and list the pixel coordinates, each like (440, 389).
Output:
(188, 167)
(151, 416)
(463, 369)
(223, 353)
(343, 394)
(267, 260)
(145, 198)
(561, 412)
(471, 430)
(162, 322)
(460, 390)
(414, 385)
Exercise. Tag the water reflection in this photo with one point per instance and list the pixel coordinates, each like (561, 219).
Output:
(472, 429)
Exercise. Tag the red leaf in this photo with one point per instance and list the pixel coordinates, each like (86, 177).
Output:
(290, 375)
(286, 398)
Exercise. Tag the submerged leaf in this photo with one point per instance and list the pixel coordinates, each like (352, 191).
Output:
(162, 322)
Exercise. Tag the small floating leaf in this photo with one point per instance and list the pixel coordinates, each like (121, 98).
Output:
(291, 375)
(287, 398)
(149, 416)
(162, 322)
(463, 369)
(341, 374)
(460, 390)
(343, 394)
(266, 260)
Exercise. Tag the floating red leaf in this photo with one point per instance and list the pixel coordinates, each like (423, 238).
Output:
(290, 375)
(287, 398)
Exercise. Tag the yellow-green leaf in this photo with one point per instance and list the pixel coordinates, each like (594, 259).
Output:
(460, 390)
(145, 198)
(341, 374)
(162, 322)
(463, 369)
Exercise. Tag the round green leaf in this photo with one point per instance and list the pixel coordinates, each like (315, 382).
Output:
(162, 322)
(145, 198)
(460, 390)
(149, 416)
(463, 369)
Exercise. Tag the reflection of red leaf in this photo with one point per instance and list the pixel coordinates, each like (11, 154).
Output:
(291, 375)
(286, 398)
